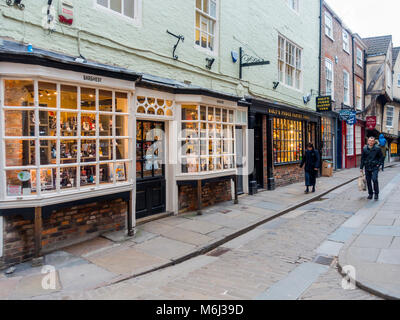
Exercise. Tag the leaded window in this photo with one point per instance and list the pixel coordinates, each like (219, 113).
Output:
(288, 140)
(327, 137)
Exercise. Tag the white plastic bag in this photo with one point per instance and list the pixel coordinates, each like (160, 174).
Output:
(362, 183)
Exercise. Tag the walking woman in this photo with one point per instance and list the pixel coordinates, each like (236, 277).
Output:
(311, 160)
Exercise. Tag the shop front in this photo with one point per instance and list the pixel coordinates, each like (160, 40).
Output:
(66, 167)
(353, 143)
(329, 138)
(280, 137)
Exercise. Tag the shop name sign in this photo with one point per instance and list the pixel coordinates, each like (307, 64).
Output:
(324, 104)
(92, 78)
(287, 114)
(371, 122)
(349, 116)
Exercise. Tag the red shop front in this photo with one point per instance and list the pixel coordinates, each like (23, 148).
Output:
(353, 143)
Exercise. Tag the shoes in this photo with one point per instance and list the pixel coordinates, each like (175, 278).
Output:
(313, 189)
(377, 197)
(370, 197)
(307, 191)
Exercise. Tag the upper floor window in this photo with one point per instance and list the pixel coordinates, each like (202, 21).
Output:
(346, 45)
(389, 116)
(124, 7)
(359, 95)
(329, 78)
(289, 63)
(294, 5)
(328, 25)
(206, 20)
(360, 57)
(346, 87)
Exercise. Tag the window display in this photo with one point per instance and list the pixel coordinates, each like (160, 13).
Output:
(288, 141)
(327, 137)
(71, 137)
(207, 134)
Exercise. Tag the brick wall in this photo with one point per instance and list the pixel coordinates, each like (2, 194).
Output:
(63, 228)
(288, 174)
(212, 193)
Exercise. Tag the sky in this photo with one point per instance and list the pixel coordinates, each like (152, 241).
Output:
(370, 18)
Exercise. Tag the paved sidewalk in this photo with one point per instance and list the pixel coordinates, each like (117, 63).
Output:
(374, 246)
(158, 244)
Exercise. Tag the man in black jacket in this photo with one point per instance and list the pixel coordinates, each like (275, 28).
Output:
(371, 160)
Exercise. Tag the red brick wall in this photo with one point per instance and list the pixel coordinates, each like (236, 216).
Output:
(64, 227)
(212, 193)
(288, 174)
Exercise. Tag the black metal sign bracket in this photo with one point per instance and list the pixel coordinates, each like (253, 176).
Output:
(249, 61)
(180, 37)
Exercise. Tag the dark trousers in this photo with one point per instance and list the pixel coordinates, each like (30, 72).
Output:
(372, 177)
(311, 178)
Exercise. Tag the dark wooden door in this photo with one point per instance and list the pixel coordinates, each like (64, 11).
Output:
(258, 152)
(150, 168)
(239, 158)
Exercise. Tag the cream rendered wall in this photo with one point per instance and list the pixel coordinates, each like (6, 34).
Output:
(112, 39)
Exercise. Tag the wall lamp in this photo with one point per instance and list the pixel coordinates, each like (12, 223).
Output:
(16, 3)
(276, 84)
(210, 62)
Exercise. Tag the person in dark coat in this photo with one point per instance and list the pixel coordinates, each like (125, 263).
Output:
(371, 160)
(311, 160)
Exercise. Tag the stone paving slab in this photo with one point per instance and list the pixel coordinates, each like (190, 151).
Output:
(389, 256)
(329, 248)
(373, 241)
(342, 234)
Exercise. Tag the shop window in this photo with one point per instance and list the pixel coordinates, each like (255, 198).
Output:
(206, 139)
(327, 137)
(393, 149)
(205, 25)
(349, 140)
(359, 143)
(153, 106)
(288, 141)
(62, 143)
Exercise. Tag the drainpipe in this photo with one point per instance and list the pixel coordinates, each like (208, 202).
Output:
(320, 46)
(353, 68)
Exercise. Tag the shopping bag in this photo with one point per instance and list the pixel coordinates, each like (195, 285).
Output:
(362, 183)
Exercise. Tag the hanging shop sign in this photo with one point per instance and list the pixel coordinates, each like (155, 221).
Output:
(349, 116)
(324, 104)
(371, 122)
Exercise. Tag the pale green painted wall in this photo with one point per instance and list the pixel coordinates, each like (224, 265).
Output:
(110, 39)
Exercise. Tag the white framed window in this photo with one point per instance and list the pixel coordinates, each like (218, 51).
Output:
(360, 58)
(126, 8)
(359, 95)
(346, 41)
(294, 5)
(206, 24)
(389, 116)
(63, 138)
(328, 25)
(346, 88)
(350, 140)
(289, 63)
(207, 139)
(359, 144)
(330, 87)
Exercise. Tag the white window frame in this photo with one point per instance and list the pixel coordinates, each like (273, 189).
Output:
(346, 96)
(294, 5)
(359, 95)
(346, 41)
(358, 137)
(71, 193)
(330, 62)
(328, 25)
(207, 17)
(290, 59)
(207, 138)
(360, 58)
(391, 108)
(349, 140)
(137, 14)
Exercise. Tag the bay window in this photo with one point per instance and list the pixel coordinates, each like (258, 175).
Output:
(63, 137)
(206, 140)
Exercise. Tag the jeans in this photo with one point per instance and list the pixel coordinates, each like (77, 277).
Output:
(372, 176)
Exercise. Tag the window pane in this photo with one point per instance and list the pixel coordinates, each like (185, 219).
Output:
(47, 123)
(68, 151)
(68, 178)
(198, 4)
(69, 124)
(88, 99)
(189, 113)
(105, 150)
(88, 150)
(48, 152)
(121, 102)
(47, 95)
(129, 8)
(105, 125)
(103, 3)
(106, 173)
(20, 153)
(121, 171)
(88, 175)
(19, 123)
(116, 5)
(122, 149)
(18, 93)
(105, 100)
(19, 182)
(88, 124)
(47, 179)
(213, 9)
(205, 6)
(69, 97)
(190, 165)
(121, 126)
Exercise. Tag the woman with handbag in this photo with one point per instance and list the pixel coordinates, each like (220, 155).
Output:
(311, 160)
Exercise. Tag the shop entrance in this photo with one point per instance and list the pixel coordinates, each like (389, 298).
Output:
(240, 158)
(150, 168)
(311, 138)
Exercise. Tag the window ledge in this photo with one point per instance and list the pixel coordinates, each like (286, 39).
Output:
(328, 36)
(206, 51)
(67, 196)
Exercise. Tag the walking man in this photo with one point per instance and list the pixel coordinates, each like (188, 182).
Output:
(311, 160)
(371, 160)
